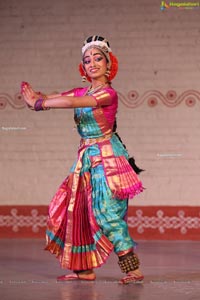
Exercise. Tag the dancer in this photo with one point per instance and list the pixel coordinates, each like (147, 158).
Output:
(87, 215)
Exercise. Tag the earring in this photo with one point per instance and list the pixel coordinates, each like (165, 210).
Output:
(84, 79)
(107, 74)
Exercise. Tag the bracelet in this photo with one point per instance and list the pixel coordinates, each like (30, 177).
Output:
(39, 105)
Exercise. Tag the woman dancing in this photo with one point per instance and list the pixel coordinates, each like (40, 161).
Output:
(87, 215)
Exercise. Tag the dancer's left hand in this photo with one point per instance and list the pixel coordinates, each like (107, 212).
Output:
(30, 96)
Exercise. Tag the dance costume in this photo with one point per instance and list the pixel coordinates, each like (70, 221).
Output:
(87, 215)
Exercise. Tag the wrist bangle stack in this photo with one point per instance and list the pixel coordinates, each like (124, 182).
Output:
(39, 105)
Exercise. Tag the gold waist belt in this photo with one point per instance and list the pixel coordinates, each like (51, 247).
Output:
(85, 142)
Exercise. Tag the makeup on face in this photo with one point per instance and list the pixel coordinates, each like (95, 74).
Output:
(94, 55)
(95, 64)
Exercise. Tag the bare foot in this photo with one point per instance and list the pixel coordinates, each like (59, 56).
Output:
(90, 275)
(84, 275)
(132, 277)
(136, 272)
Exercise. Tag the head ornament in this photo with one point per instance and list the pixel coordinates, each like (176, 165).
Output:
(103, 45)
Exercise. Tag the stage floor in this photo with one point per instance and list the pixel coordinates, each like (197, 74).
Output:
(171, 269)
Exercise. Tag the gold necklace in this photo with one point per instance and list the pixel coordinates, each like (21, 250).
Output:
(91, 90)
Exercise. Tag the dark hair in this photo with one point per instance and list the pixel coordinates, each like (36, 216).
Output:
(131, 159)
(96, 38)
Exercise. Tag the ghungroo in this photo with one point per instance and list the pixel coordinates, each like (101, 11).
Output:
(128, 262)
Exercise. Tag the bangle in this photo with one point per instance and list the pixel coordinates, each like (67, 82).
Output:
(43, 107)
(39, 105)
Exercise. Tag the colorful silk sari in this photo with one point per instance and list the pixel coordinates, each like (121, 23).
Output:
(87, 215)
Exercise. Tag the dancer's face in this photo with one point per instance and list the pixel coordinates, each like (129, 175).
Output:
(95, 63)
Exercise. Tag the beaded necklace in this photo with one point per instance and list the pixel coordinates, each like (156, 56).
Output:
(91, 91)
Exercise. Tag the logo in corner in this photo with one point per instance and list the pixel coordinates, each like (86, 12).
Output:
(163, 5)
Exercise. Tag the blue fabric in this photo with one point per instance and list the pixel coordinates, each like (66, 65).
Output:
(88, 127)
(110, 212)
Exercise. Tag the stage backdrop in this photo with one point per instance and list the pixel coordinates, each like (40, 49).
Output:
(158, 117)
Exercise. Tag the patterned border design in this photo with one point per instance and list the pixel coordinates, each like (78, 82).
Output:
(164, 222)
(35, 220)
(15, 102)
(153, 97)
(23, 221)
(132, 100)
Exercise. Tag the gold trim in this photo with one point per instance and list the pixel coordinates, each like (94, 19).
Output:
(124, 252)
(85, 142)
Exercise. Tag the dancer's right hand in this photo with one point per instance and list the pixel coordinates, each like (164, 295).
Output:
(30, 96)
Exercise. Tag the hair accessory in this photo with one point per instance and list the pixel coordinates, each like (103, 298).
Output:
(103, 45)
(97, 42)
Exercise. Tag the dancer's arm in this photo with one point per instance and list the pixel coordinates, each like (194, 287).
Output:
(62, 101)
